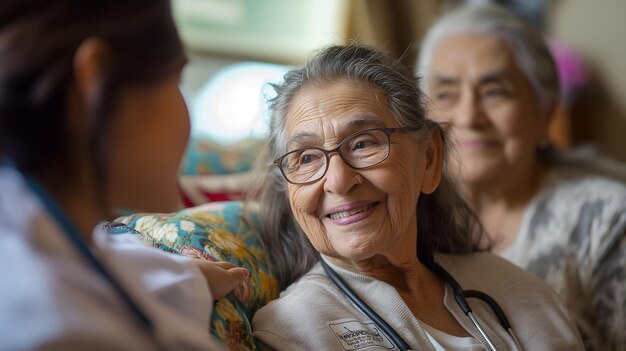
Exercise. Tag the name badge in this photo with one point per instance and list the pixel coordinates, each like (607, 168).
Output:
(357, 335)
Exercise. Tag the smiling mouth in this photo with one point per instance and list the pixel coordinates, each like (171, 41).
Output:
(344, 214)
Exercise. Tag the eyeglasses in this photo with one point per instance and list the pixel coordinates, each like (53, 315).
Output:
(360, 150)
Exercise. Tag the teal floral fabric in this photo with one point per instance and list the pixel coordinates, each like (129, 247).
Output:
(217, 232)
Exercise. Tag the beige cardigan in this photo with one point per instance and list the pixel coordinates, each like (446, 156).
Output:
(313, 314)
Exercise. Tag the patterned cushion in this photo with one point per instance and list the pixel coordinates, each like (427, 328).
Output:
(217, 232)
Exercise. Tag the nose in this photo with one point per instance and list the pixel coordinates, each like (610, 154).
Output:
(340, 177)
(468, 112)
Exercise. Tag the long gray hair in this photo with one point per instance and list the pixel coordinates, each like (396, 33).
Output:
(446, 224)
(526, 44)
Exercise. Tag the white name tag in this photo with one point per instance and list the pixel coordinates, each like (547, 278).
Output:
(356, 335)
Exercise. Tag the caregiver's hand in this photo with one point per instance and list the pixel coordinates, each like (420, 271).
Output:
(222, 277)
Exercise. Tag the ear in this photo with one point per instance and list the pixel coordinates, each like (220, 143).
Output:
(434, 162)
(89, 62)
(88, 69)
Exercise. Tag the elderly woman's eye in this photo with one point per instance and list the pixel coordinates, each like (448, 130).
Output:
(363, 142)
(495, 92)
(442, 95)
(360, 145)
(308, 158)
(297, 160)
(304, 159)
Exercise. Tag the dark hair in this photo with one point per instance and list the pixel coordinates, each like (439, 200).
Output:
(38, 42)
(446, 224)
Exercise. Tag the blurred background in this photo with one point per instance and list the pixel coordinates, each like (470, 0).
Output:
(237, 46)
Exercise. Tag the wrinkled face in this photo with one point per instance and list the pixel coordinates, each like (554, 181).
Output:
(149, 134)
(357, 214)
(475, 84)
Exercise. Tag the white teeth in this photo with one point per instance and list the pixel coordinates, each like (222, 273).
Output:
(343, 214)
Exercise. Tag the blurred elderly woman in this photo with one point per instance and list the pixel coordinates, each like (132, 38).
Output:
(491, 77)
(356, 209)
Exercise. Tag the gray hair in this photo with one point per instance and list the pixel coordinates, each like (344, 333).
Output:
(446, 224)
(526, 44)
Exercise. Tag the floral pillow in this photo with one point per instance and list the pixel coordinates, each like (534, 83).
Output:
(217, 232)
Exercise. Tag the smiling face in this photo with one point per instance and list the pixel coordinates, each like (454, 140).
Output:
(475, 84)
(355, 214)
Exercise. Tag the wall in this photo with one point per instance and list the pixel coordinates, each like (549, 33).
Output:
(594, 29)
(597, 31)
(282, 31)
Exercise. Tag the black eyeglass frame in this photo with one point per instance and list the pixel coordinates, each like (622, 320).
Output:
(388, 132)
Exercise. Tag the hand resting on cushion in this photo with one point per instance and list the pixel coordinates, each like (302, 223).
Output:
(222, 277)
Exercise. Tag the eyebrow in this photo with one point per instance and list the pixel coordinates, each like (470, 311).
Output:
(300, 138)
(358, 122)
(443, 80)
(365, 120)
(493, 77)
(490, 77)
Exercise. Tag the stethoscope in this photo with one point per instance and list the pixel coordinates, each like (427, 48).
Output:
(460, 296)
(75, 238)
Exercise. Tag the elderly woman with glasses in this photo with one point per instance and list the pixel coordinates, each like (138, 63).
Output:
(491, 77)
(375, 245)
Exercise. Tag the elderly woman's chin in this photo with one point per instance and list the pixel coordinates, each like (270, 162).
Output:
(352, 247)
(479, 170)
